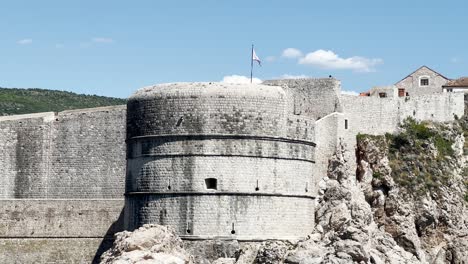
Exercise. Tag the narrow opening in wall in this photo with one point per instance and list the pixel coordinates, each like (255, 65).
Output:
(256, 187)
(179, 122)
(168, 187)
(346, 124)
(414, 112)
(211, 183)
(188, 231)
(233, 231)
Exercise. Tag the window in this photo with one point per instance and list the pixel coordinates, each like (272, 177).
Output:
(346, 124)
(424, 81)
(450, 90)
(211, 183)
(382, 95)
(401, 92)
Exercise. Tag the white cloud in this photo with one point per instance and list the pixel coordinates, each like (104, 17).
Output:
(102, 40)
(24, 41)
(289, 76)
(239, 79)
(327, 59)
(350, 93)
(291, 53)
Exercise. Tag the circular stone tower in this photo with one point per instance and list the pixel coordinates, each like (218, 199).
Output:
(219, 160)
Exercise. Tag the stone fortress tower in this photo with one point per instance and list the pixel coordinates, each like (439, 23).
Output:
(219, 160)
(213, 160)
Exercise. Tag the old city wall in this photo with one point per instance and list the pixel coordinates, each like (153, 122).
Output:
(73, 154)
(63, 174)
(62, 184)
(377, 116)
(373, 115)
(313, 98)
(327, 133)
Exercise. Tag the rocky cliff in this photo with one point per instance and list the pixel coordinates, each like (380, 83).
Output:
(406, 203)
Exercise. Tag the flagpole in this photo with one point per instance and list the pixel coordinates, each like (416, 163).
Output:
(251, 64)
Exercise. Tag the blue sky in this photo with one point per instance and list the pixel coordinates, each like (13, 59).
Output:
(114, 47)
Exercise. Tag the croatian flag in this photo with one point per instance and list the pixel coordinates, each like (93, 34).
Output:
(256, 58)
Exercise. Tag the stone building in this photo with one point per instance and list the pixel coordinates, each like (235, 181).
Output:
(421, 82)
(457, 86)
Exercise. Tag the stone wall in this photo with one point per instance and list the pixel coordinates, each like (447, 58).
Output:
(62, 184)
(72, 154)
(233, 216)
(24, 155)
(62, 181)
(52, 250)
(327, 132)
(377, 116)
(38, 218)
(313, 98)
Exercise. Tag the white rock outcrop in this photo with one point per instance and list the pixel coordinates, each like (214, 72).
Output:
(148, 244)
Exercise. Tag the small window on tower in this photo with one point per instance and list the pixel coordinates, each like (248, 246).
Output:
(211, 183)
(346, 124)
(382, 95)
(424, 81)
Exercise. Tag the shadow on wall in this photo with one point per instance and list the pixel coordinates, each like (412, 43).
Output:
(108, 239)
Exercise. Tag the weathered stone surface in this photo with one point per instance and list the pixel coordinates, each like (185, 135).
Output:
(81, 155)
(210, 250)
(77, 154)
(52, 250)
(148, 244)
(257, 157)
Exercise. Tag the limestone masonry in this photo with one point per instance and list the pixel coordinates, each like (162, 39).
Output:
(213, 160)
(219, 160)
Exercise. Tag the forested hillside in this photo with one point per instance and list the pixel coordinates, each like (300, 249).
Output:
(15, 101)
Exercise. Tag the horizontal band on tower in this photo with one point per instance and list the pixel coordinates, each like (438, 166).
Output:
(221, 155)
(216, 193)
(224, 136)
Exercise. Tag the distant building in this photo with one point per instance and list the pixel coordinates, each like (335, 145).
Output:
(384, 91)
(459, 85)
(390, 91)
(422, 81)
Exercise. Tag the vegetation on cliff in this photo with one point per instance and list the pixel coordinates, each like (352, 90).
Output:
(421, 156)
(15, 101)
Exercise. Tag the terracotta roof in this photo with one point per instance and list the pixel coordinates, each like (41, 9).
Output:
(424, 66)
(460, 82)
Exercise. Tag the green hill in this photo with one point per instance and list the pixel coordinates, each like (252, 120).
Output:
(14, 101)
